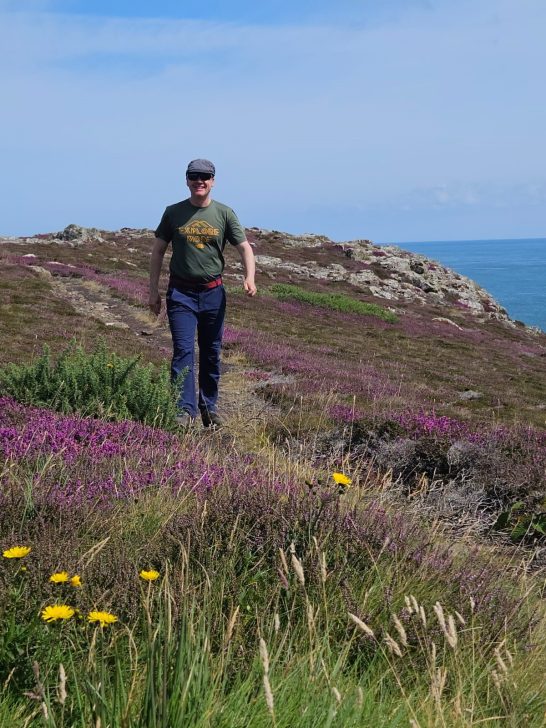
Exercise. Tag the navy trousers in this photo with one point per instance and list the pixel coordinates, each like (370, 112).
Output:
(202, 311)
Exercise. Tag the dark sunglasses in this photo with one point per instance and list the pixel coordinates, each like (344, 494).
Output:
(203, 176)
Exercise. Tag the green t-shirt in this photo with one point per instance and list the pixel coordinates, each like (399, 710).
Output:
(199, 236)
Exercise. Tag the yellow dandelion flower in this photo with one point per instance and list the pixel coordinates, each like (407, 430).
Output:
(59, 578)
(16, 552)
(110, 365)
(57, 611)
(105, 618)
(342, 479)
(76, 580)
(149, 575)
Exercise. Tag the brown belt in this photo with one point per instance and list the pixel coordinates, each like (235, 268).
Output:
(176, 282)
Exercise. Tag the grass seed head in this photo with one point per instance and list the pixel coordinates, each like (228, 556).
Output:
(283, 561)
(451, 632)
(269, 701)
(503, 668)
(361, 625)
(298, 568)
(264, 655)
(323, 570)
(61, 688)
(401, 631)
(439, 612)
(231, 625)
(393, 645)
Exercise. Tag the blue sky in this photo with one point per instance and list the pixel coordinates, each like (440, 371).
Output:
(389, 120)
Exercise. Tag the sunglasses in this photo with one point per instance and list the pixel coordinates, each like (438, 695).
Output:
(203, 176)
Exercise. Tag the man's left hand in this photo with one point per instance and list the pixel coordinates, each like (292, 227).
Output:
(250, 287)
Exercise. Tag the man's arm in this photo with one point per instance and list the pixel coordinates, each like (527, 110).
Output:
(156, 261)
(247, 257)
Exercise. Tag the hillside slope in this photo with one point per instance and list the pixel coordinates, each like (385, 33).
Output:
(451, 347)
(374, 509)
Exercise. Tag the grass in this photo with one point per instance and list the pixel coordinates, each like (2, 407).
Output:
(33, 316)
(190, 672)
(334, 301)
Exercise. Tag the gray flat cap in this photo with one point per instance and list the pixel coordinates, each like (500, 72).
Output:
(201, 165)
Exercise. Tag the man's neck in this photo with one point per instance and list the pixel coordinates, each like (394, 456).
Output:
(200, 202)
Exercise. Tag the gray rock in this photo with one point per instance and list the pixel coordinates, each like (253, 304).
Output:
(469, 394)
(76, 234)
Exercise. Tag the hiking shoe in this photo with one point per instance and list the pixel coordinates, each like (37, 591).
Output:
(212, 419)
(184, 420)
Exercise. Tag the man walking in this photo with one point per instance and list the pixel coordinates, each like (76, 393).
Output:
(198, 229)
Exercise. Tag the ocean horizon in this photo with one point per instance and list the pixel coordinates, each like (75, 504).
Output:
(512, 270)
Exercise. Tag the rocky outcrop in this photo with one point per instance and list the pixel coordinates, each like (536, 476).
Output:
(78, 235)
(386, 272)
(72, 235)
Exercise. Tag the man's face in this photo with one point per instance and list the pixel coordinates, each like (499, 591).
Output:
(200, 184)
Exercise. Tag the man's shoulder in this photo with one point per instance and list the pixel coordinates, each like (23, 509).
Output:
(177, 206)
(224, 209)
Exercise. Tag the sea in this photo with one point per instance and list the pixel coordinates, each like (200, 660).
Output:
(513, 271)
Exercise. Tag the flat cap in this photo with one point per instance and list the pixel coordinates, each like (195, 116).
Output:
(201, 165)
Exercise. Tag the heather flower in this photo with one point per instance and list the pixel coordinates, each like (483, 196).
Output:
(104, 618)
(16, 552)
(76, 580)
(149, 575)
(342, 480)
(54, 612)
(59, 578)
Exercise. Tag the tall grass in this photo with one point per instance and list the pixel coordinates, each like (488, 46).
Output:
(199, 656)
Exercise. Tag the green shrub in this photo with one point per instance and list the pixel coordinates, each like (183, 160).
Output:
(101, 384)
(334, 301)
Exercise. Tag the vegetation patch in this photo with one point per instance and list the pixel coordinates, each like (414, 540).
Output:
(149, 582)
(335, 301)
(101, 384)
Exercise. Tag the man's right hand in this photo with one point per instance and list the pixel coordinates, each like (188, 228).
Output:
(154, 304)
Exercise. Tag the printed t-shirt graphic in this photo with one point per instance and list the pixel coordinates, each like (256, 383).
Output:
(199, 233)
(198, 236)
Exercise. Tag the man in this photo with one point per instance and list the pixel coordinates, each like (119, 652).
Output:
(198, 229)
